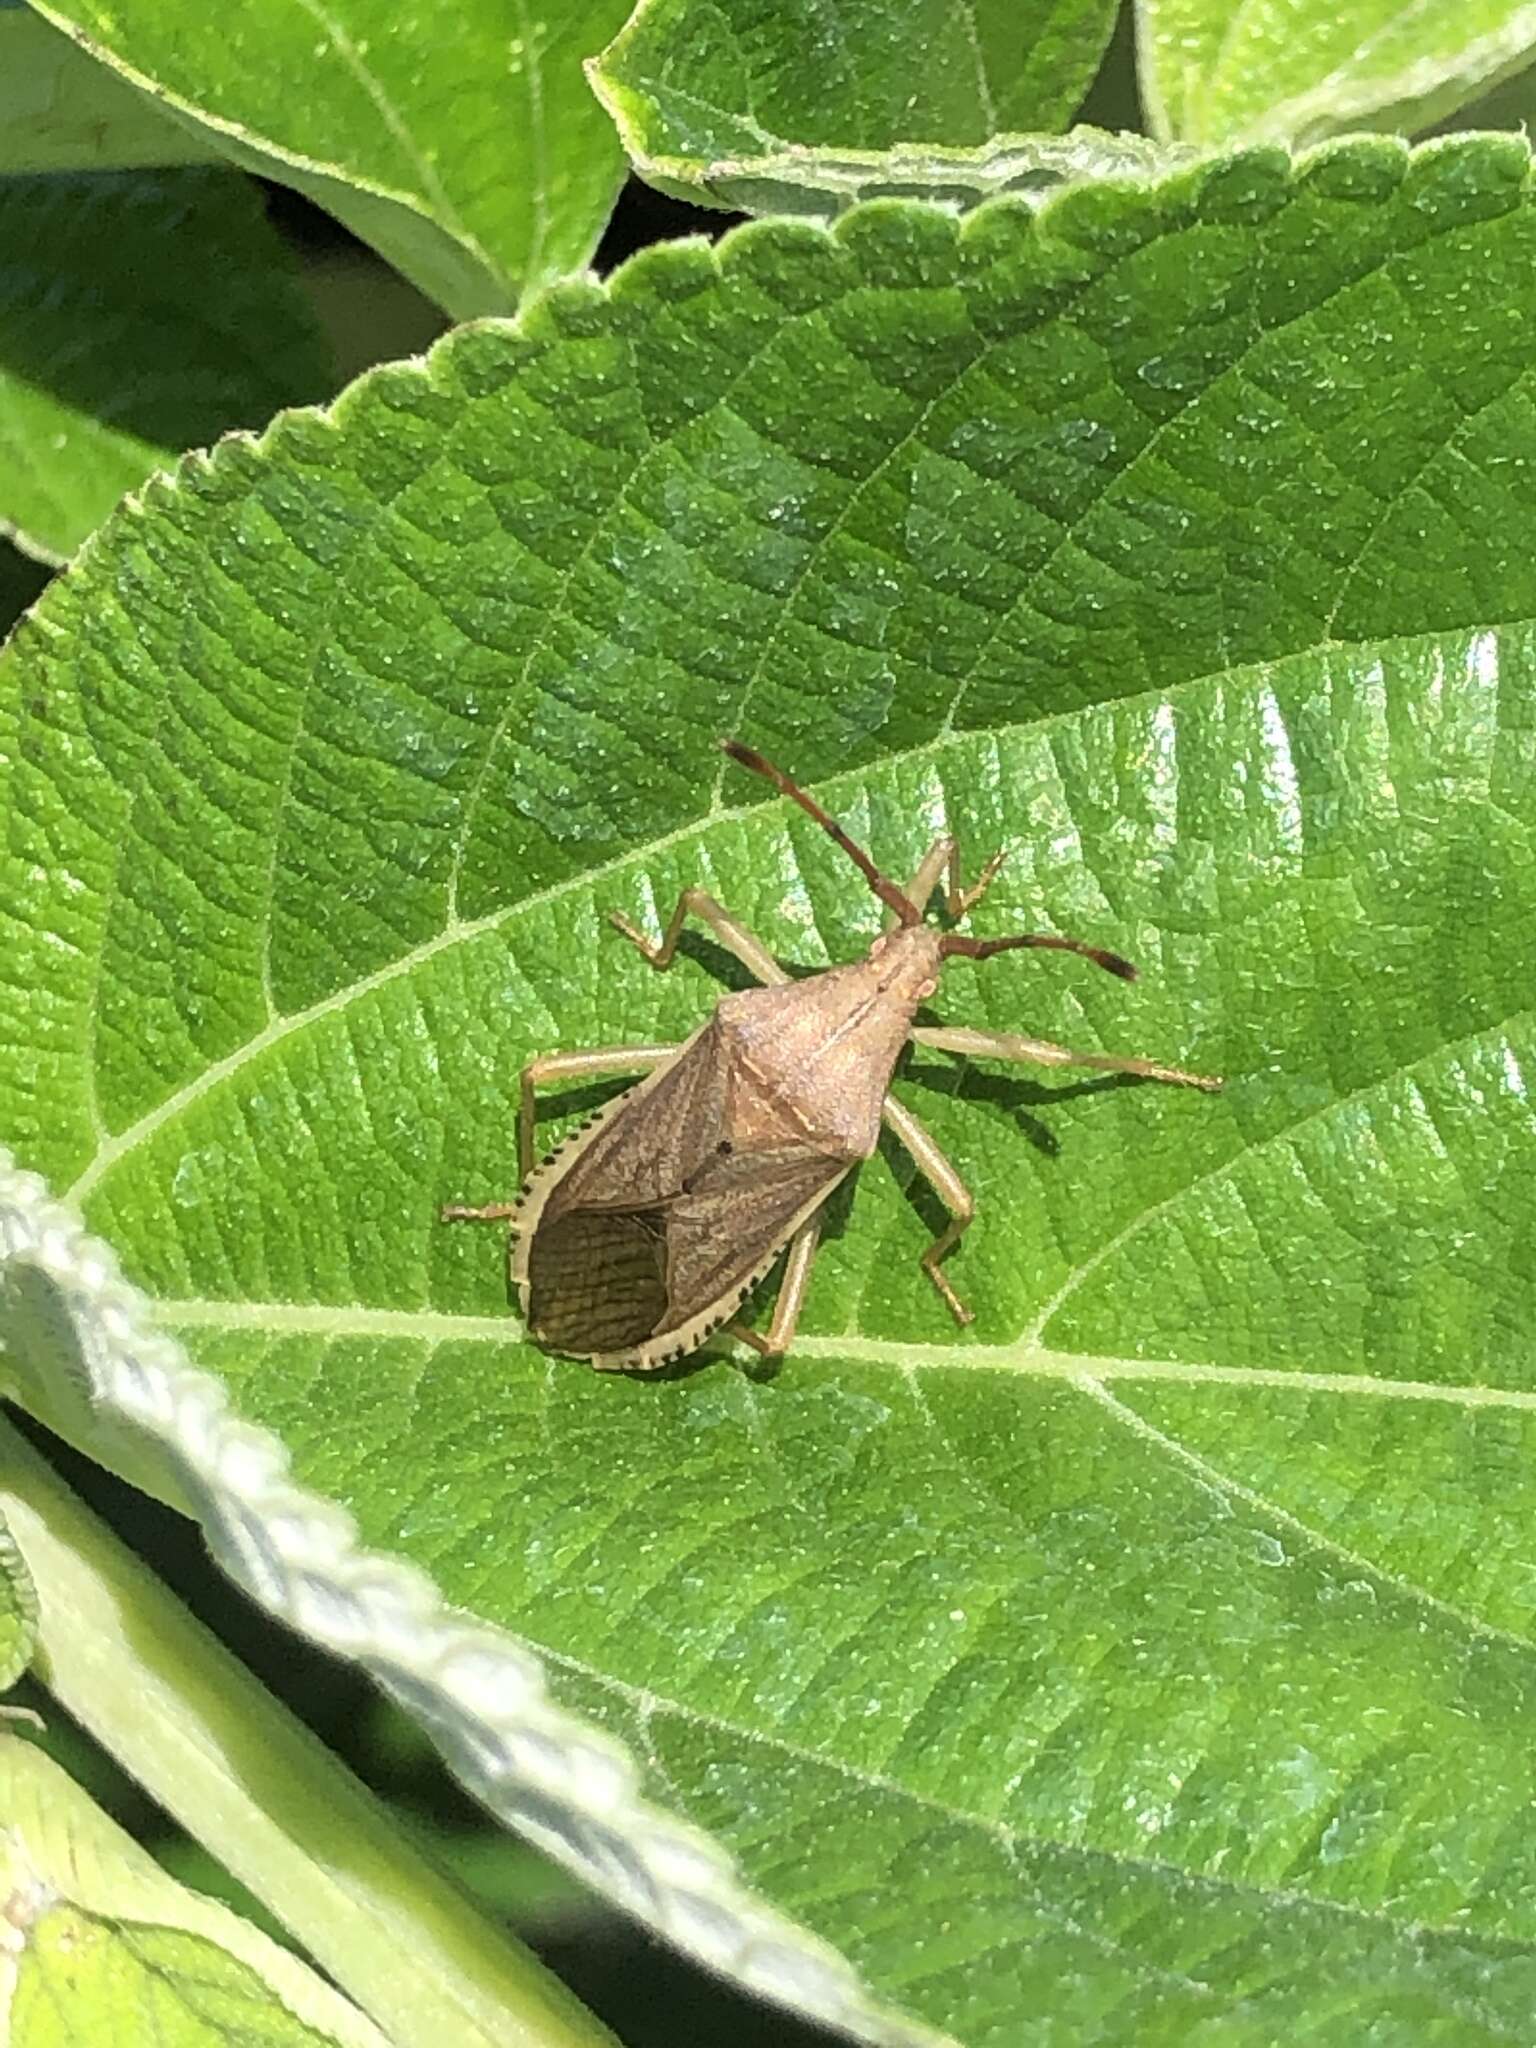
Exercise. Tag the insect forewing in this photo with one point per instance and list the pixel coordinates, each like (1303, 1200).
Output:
(625, 1248)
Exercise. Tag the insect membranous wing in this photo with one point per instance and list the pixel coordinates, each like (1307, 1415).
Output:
(609, 1278)
(597, 1279)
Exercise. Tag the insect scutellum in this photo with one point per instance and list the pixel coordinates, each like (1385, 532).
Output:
(647, 1229)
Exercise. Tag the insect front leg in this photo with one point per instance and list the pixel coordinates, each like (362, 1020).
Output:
(734, 936)
(943, 858)
(947, 1185)
(779, 1335)
(1040, 1052)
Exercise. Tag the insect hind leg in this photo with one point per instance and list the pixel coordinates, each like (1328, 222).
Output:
(780, 1333)
(1014, 1047)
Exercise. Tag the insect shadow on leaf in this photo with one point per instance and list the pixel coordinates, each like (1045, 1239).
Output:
(646, 1230)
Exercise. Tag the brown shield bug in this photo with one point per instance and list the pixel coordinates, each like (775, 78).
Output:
(649, 1228)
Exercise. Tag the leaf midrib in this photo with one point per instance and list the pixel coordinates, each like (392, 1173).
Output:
(1255, 675)
(1027, 1361)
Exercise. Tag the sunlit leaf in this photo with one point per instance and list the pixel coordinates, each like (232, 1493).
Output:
(1301, 69)
(18, 1612)
(102, 1946)
(805, 107)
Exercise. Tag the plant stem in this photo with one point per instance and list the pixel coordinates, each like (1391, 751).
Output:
(264, 1795)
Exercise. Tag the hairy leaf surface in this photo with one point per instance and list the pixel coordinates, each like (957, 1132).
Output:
(692, 83)
(1301, 69)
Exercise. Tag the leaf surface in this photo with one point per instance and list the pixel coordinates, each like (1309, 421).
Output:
(727, 79)
(62, 111)
(141, 313)
(1301, 69)
(18, 1611)
(1152, 1662)
(105, 1947)
(469, 152)
(808, 109)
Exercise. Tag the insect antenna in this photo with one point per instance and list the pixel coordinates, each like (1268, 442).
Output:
(983, 949)
(892, 897)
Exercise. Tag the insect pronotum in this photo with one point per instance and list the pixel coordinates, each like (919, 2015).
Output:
(647, 1230)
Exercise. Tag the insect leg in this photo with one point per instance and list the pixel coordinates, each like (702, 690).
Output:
(943, 858)
(777, 1338)
(941, 854)
(947, 1185)
(959, 901)
(554, 1066)
(575, 1066)
(748, 948)
(1008, 1045)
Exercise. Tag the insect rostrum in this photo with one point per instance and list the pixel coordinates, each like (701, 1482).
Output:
(648, 1229)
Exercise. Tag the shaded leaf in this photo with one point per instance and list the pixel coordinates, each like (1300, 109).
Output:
(21, 582)
(62, 111)
(1152, 1662)
(477, 162)
(141, 313)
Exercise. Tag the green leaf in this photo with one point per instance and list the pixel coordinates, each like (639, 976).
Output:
(1212, 72)
(476, 161)
(141, 313)
(62, 111)
(1152, 1662)
(85, 1979)
(689, 81)
(105, 1947)
(18, 1611)
(808, 109)
(193, 1728)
